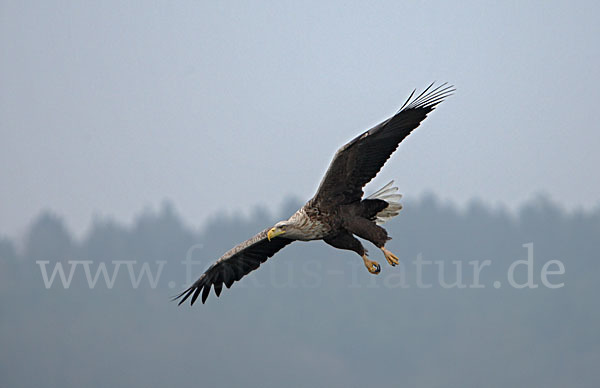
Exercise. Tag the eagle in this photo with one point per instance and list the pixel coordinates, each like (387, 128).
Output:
(338, 212)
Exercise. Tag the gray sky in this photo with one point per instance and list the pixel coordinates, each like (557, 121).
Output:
(110, 107)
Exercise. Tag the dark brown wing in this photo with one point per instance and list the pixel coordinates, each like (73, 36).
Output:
(233, 265)
(357, 162)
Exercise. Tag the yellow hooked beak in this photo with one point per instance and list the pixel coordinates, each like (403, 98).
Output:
(274, 232)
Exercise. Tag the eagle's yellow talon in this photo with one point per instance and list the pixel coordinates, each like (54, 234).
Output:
(390, 257)
(372, 266)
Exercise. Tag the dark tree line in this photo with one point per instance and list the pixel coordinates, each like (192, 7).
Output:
(312, 316)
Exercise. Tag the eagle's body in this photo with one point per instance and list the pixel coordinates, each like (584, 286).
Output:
(338, 212)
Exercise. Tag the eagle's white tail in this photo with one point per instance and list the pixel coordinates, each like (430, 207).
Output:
(388, 194)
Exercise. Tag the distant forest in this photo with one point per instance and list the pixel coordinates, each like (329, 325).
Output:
(311, 315)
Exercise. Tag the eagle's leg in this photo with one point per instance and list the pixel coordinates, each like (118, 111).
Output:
(345, 240)
(372, 265)
(390, 257)
(374, 233)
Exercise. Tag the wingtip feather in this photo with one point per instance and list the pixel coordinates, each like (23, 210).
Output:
(429, 97)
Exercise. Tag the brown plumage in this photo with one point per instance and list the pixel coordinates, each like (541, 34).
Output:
(338, 211)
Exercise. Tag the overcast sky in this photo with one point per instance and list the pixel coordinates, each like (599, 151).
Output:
(107, 108)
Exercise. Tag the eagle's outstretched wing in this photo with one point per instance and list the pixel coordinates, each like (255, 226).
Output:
(357, 162)
(233, 265)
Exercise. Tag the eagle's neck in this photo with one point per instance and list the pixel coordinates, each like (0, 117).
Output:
(307, 227)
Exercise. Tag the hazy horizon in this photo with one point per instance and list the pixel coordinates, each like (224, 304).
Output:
(229, 213)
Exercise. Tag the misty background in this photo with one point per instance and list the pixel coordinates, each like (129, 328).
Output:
(152, 132)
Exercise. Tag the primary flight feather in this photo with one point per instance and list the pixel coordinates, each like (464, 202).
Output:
(338, 212)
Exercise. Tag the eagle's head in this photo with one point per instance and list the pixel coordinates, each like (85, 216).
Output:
(282, 227)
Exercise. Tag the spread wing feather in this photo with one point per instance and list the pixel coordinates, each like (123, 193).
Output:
(233, 265)
(359, 161)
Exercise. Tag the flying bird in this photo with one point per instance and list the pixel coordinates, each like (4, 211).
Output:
(338, 212)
